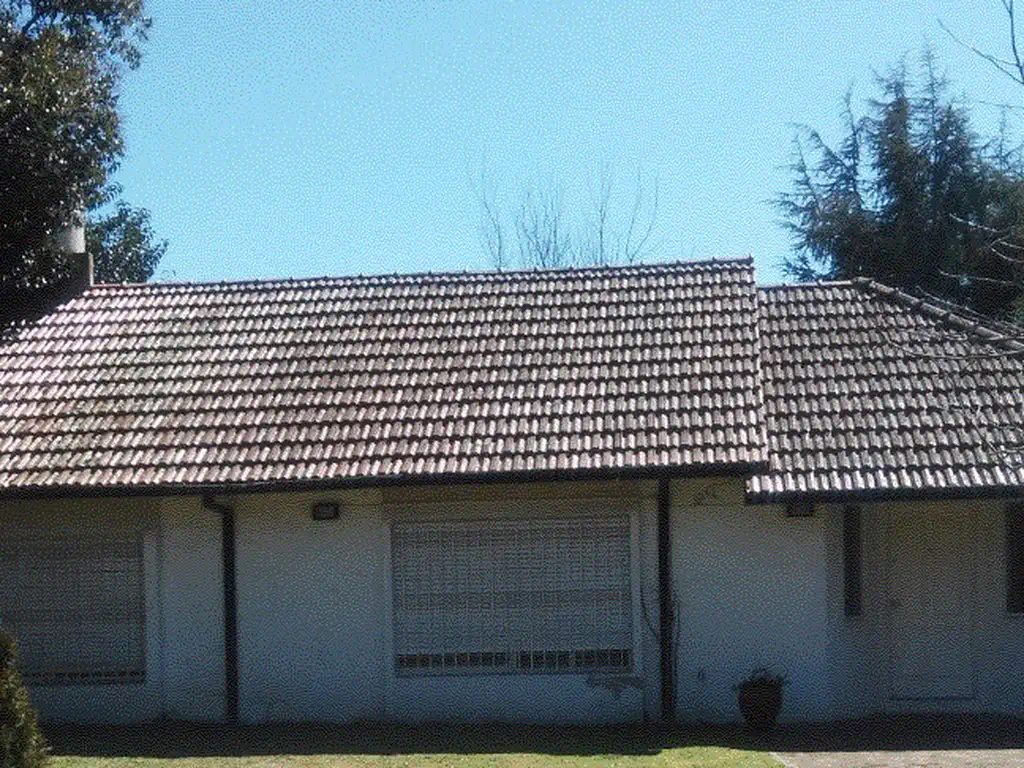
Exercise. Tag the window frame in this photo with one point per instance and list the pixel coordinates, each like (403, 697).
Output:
(524, 661)
(134, 603)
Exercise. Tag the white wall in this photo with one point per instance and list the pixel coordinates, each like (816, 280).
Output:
(310, 618)
(758, 589)
(192, 611)
(184, 628)
(856, 682)
(315, 615)
(999, 636)
(751, 590)
(859, 648)
(314, 610)
(754, 588)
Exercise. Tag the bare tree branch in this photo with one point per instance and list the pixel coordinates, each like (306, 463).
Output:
(543, 234)
(599, 251)
(492, 231)
(979, 279)
(1008, 5)
(543, 239)
(1013, 68)
(634, 248)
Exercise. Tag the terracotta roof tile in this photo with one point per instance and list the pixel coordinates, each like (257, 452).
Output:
(868, 390)
(859, 389)
(334, 380)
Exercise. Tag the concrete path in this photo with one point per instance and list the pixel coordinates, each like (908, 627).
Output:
(904, 742)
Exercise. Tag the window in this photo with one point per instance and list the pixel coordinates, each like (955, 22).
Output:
(76, 605)
(524, 596)
(851, 561)
(1015, 558)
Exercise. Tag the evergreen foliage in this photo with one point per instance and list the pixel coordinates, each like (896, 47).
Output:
(21, 742)
(912, 197)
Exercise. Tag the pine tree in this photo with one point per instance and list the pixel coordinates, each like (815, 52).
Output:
(910, 196)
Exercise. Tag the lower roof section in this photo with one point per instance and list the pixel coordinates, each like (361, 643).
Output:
(870, 392)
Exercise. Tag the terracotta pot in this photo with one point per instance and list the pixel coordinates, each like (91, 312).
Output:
(760, 703)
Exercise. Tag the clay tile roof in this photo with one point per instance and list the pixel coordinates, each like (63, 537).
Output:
(321, 381)
(871, 391)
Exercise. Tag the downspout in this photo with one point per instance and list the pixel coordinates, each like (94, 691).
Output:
(227, 537)
(666, 608)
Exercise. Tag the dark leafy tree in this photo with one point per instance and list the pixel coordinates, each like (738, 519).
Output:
(123, 245)
(61, 63)
(910, 196)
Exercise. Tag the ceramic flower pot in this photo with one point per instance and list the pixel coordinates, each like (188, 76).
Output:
(760, 702)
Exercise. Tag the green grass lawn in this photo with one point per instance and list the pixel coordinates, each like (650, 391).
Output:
(323, 746)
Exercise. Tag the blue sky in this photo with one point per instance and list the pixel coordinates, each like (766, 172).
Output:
(340, 136)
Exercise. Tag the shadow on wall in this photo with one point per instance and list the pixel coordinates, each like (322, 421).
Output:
(173, 739)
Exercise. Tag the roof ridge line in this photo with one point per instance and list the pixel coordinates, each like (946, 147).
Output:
(953, 314)
(809, 284)
(481, 274)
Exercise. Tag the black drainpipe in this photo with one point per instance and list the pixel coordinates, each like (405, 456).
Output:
(227, 536)
(665, 606)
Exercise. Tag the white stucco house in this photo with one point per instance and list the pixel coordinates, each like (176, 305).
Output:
(593, 495)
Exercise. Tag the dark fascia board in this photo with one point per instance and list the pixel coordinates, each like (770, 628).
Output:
(889, 494)
(738, 469)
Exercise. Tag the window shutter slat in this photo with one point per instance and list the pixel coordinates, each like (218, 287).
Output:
(76, 605)
(523, 595)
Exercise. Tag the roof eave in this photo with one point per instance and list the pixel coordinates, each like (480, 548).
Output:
(888, 494)
(738, 469)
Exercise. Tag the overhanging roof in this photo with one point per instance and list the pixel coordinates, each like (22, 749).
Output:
(872, 393)
(324, 381)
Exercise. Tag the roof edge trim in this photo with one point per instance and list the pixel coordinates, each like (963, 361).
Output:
(952, 314)
(742, 469)
(1008, 492)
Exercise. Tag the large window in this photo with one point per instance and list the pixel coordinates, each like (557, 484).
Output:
(76, 605)
(512, 596)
